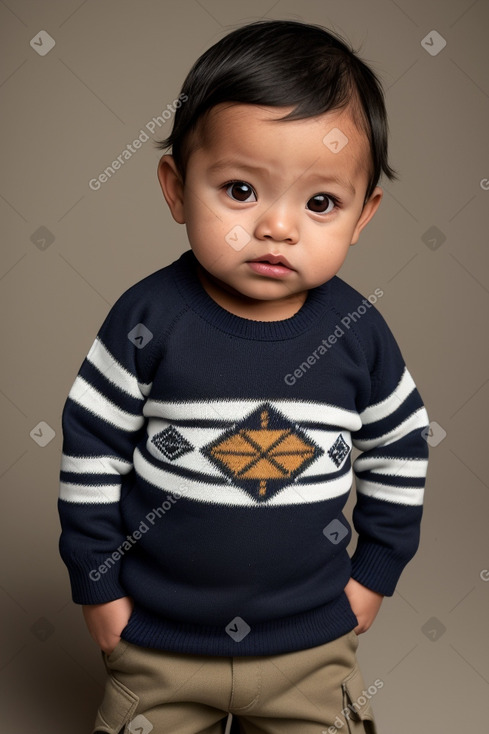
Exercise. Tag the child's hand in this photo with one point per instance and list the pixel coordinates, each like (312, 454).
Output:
(105, 622)
(365, 604)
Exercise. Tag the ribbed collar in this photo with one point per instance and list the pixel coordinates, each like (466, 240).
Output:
(194, 294)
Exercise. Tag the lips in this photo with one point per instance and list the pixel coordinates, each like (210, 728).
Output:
(271, 266)
(273, 260)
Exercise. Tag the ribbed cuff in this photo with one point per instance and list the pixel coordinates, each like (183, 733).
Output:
(377, 568)
(95, 580)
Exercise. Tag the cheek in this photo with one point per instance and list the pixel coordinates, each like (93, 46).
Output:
(206, 235)
(333, 237)
(340, 234)
(199, 218)
(203, 210)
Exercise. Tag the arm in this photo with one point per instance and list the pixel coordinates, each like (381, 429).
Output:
(390, 476)
(102, 423)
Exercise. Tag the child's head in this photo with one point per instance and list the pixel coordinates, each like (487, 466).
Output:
(301, 89)
(282, 63)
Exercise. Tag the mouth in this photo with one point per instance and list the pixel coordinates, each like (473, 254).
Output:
(274, 266)
(273, 260)
(271, 266)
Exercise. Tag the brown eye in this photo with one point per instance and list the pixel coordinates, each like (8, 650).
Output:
(321, 204)
(240, 191)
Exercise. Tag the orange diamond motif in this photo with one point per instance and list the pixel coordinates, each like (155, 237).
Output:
(263, 453)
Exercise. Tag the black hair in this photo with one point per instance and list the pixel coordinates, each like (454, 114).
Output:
(282, 63)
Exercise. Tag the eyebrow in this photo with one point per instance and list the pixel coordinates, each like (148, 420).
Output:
(231, 163)
(328, 179)
(343, 183)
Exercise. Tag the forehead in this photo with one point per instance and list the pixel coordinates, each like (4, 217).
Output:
(257, 134)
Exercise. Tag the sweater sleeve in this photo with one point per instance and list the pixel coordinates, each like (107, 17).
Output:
(102, 423)
(391, 469)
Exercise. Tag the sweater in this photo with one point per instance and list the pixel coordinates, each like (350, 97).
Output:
(207, 460)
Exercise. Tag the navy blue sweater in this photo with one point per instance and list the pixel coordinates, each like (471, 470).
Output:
(207, 459)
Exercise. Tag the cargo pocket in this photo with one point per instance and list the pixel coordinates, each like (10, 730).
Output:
(357, 711)
(117, 708)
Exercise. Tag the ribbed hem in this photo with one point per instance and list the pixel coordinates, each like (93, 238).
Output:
(193, 293)
(299, 632)
(377, 568)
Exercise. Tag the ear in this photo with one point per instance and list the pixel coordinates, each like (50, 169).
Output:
(172, 186)
(369, 209)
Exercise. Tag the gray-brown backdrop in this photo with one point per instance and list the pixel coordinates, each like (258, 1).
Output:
(79, 82)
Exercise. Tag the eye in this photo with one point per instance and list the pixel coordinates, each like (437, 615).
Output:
(321, 203)
(240, 191)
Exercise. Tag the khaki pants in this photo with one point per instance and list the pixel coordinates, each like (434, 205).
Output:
(315, 691)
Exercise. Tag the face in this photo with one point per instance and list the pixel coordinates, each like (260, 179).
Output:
(271, 207)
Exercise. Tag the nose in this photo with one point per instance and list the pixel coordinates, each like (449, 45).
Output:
(278, 223)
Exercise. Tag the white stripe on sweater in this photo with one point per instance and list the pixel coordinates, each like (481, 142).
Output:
(231, 410)
(230, 494)
(104, 361)
(95, 465)
(418, 419)
(398, 495)
(383, 409)
(92, 400)
(392, 467)
(86, 494)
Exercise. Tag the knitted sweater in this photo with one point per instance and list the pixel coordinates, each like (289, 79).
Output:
(207, 459)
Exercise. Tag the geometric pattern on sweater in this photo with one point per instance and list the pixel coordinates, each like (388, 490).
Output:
(248, 453)
(171, 443)
(339, 451)
(263, 452)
